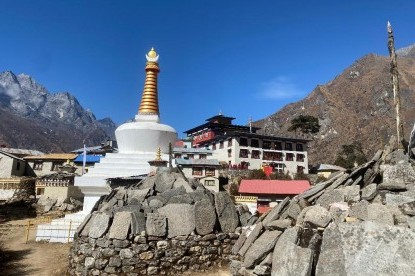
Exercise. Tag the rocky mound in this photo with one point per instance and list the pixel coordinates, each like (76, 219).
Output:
(359, 222)
(162, 225)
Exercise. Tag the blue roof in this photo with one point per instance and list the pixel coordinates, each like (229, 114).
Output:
(89, 158)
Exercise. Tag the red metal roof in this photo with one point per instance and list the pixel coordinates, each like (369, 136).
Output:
(276, 187)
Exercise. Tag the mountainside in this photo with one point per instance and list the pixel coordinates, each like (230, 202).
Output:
(357, 106)
(33, 118)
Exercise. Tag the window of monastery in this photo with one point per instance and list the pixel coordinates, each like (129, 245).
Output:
(190, 156)
(209, 182)
(55, 165)
(202, 156)
(278, 156)
(288, 146)
(299, 147)
(40, 191)
(229, 142)
(266, 145)
(243, 153)
(289, 157)
(229, 153)
(177, 155)
(254, 143)
(197, 171)
(17, 166)
(278, 145)
(300, 157)
(243, 142)
(210, 171)
(221, 144)
(37, 165)
(214, 146)
(256, 154)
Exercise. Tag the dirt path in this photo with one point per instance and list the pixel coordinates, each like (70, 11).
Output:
(32, 258)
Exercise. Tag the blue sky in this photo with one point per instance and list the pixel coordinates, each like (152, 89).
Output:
(243, 58)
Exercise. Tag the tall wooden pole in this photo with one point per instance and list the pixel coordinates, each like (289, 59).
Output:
(395, 84)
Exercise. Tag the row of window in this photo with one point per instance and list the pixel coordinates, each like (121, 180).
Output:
(243, 142)
(269, 155)
(189, 156)
(198, 171)
(38, 165)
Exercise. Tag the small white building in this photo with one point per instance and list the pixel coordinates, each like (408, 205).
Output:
(204, 170)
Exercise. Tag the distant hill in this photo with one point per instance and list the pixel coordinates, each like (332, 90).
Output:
(356, 106)
(33, 118)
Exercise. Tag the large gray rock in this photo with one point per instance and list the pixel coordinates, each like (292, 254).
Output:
(251, 237)
(395, 177)
(164, 181)
(396, 200)
(289, 258)
(260, 248)
(205, 216)
(330, 197)
(318, 216)
(275, 212)
(181, 182)
(379, 213)
(138, 222)
(99, 225)
(227, 214)
(369, 192)
(120, 225)
(180, 219)
(359, 210)
(139, 195)
(366, 248)
(156, 225)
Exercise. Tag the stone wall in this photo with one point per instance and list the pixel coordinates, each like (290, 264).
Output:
(161, 225)
(145, 256)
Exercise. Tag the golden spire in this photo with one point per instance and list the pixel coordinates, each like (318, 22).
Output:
(158, 155)
(149, 101)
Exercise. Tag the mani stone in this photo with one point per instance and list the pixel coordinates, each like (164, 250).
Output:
(227, 214)
(156, 225)
(205, 217)
(99, 225)
(180, 219)
(366, 248)
(138, 222)
(251, 237)
(369, 192)
(164, 181)
(260, 248)
(181, 182)
(380, 213)
(289, 258)
(139, 195)
(120, 225)
(318, 216)
(329, 197)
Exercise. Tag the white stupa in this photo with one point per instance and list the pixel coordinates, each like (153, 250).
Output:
(138, 142)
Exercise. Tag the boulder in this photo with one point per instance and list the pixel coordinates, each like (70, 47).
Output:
(369, 192)
(227, 214)
(289, 258)
(180, 219)
(260, 248)
(138, 195)
(99, 225)
(156, 225)
(251, 237)
(279, 224)
(330, 197)
(396, 200)
(181, 182)
(120, 225)
(366, 248)
(275, 212)
(317, 216)
(379, 213)
(138, 222)
(205, 217)
(359, 210)
(164, 181)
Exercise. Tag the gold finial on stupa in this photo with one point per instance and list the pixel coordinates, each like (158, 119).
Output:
(149, 101)
(158, 155)
(152, 53)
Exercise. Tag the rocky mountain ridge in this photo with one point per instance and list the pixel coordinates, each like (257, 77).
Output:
(31, 117)
(356, 106)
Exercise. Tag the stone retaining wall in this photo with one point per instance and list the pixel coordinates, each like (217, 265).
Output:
(144, 256)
